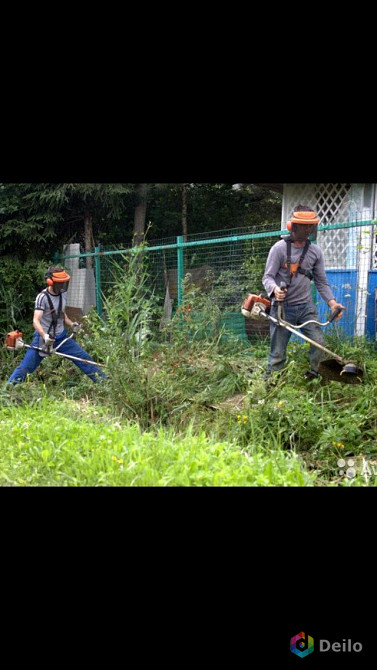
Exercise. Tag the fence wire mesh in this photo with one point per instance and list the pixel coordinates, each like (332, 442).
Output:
(225, 266)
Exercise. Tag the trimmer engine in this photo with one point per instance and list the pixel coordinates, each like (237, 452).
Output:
(14, 340)
(255, 306)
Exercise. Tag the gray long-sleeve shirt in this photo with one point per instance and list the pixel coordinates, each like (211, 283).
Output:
(299, 286)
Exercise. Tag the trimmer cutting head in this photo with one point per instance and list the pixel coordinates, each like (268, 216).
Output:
(347, 373)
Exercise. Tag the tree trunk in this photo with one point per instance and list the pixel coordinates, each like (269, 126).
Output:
(184, 212)
(88, 237)
(140, 215)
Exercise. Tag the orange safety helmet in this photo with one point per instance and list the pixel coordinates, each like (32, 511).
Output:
(59, 277)
(308, 218)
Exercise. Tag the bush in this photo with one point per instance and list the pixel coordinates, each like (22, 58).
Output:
(20, 282)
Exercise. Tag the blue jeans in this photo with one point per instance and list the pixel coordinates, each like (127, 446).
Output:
(32, 360)
(294, 314)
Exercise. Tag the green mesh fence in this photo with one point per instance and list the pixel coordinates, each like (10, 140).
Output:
(225, 266)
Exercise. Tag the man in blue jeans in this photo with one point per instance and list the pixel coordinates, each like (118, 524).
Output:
(49, 321)
(295, 261)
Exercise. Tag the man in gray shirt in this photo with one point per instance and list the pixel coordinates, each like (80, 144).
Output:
(295, 261)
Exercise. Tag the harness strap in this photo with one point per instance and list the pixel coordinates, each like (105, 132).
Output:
(307, 273)
(54, 316)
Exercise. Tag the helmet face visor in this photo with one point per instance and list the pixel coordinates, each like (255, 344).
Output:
(301, 232)
(60, 287)
(58, 281)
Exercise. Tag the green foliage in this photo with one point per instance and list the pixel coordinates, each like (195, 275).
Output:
(83, 447)
(219, 206)
(187, 397)
(198, 317)
(254, 264)
(122, 338)
(129, 304)
(186, 407)
(39, 218)
(20, 282)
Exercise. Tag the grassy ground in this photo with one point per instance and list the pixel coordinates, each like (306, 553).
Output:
(40, 446)
(188, 408)
(194, 416)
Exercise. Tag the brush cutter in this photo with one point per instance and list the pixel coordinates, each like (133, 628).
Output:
(336, 368)
(14, 342)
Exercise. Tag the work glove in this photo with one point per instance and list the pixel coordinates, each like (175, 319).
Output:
(76, 326)
(48, 340)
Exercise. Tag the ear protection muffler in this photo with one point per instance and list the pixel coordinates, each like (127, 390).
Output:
(307, 218)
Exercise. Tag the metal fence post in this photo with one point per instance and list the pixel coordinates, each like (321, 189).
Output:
(180, 269)
(97, 260)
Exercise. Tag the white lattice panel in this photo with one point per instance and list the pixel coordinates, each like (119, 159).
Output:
(351, 248)
(297, 194)
(330, 201)
(334, 244)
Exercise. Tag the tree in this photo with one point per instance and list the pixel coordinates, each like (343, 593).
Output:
(184, 211)
(36, 216)
(140, 214)
(38, 219)
(149, 194)
(192, 208)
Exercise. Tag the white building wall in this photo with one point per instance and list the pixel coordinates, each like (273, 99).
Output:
(81, 292)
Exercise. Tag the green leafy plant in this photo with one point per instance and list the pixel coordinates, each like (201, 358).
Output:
(20, 282)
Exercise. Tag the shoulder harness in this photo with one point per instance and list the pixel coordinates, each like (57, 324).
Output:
(54, 316)
(294, 268)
